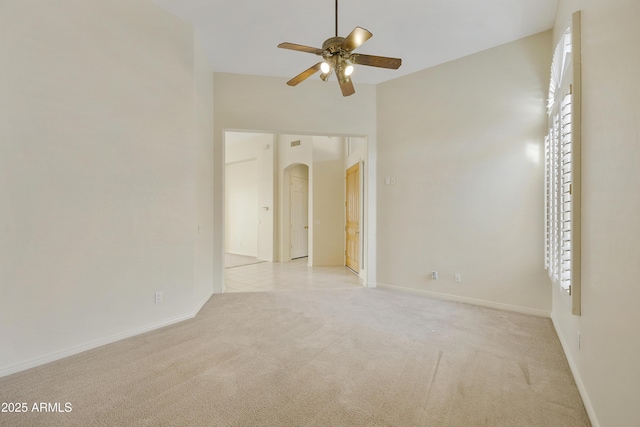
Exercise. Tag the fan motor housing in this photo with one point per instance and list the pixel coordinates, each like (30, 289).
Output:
(332, 45)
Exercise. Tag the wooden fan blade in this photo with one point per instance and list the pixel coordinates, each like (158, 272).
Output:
(355, 39)
(376, 61)
(300, 48)
(346, 86)
(305, 74)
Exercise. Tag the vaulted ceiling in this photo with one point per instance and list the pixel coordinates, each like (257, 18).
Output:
(240, 36)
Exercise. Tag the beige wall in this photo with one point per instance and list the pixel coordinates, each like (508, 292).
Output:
(259, 147)
(328, 201)
(462, 141)
(241, 208)
(105, 173)
(606, 363)
(203, 130)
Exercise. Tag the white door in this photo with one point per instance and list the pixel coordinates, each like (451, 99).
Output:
(299, 217)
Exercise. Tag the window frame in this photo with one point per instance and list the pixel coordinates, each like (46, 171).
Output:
(562, 168)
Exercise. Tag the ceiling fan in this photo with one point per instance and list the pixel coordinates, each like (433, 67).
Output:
(338, 56)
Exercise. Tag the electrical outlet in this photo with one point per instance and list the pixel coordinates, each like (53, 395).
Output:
(434, 275)
(158, 297)
(457, 277)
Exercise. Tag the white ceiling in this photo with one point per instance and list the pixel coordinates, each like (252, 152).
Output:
(240, 36)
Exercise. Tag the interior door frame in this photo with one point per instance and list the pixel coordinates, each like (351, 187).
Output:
(358, 200)
(291, 180)
(367, 274)
(285, 220)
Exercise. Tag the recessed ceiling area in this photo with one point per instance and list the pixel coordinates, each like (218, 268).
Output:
(241, 36)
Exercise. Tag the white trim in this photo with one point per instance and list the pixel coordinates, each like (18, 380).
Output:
(588, 406)
(466, 300)
(202, 303)
(52, 357)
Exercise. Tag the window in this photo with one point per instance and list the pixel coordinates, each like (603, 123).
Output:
(562, 167)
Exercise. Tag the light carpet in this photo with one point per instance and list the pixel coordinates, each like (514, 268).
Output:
(345, 357)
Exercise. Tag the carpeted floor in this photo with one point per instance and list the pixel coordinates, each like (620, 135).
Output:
(342, 357)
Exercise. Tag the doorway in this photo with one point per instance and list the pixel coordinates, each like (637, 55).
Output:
(299, 216)
(322, 240)
(296, 202)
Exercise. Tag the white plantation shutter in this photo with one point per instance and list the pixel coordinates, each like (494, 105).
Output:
(566, 203)
(562, 167)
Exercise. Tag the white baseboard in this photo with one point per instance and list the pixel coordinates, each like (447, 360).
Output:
(466, 300)
(203, 302)
(576, 376)
(52, 357)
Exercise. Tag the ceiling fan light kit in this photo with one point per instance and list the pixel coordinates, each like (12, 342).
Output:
(338, 56)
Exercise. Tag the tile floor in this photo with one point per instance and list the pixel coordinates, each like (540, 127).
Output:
(286, 276)
(235, 260)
